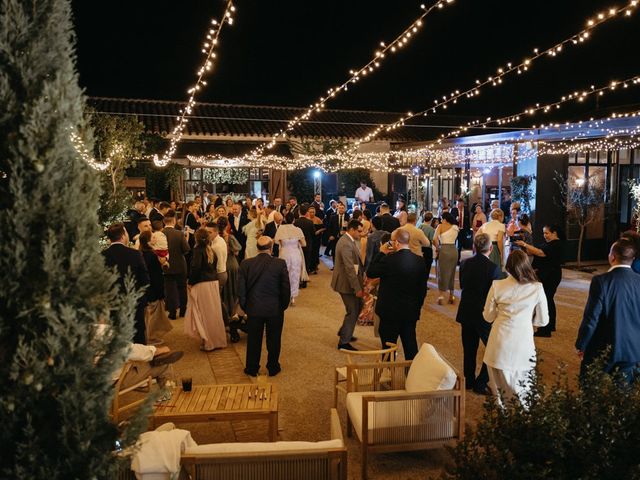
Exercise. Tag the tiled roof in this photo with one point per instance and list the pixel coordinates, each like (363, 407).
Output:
(237, 121)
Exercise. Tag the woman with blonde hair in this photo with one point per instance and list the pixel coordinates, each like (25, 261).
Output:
(514, 305)
(252, 231)
(496, 230)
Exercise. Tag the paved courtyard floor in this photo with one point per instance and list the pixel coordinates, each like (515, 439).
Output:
(309, 355)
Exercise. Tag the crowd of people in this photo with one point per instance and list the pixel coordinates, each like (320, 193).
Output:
(230, 266)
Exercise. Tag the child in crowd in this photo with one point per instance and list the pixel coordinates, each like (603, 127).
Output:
(159, 243)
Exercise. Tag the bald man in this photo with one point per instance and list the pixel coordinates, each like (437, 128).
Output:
(264, 293)
(401, 294)
(271, 228)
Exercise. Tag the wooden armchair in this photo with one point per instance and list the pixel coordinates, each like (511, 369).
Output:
(397, 420)
(366, 380)
(117, 407)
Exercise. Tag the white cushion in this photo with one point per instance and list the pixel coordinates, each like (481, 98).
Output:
(252, 447)
(401, 414)
(429, 372)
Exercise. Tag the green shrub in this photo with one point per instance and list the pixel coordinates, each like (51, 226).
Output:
(592, 432)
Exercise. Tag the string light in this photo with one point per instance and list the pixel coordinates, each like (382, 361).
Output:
(356, 74)
(578, 96)
(84, 153)
(208, 49)
(503, 72)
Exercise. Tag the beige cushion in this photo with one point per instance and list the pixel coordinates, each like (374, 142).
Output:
(429, 372)
(253, 447)
(433, 417)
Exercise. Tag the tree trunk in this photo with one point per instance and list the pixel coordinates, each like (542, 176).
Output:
(580, 240)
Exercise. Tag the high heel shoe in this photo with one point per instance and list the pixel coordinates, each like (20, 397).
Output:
(452, 299)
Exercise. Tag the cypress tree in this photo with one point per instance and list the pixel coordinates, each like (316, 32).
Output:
(55, 372)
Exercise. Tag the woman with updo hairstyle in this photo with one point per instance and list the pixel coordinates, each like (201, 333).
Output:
(514, 306)
(444, 241)
(203, 319)
(496, 230)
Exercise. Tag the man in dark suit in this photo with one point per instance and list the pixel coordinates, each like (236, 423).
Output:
(175, 277)
(461, 214)
(160, 212)
(331, 211)
(388, 222)
(401, 292)
(294, 208)
(127, 260)
(264, 293)
(309, 231)
(237, 220)
(271, 229)
(476, 276)
(612, 315)
(337, 226)
(317, 204)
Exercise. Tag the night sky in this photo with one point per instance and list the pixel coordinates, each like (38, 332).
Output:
(289, 52)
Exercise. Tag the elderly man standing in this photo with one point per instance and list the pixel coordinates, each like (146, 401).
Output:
(264, 293)
(401, 292)
(612, 316)
(417, 238)
(348, 280)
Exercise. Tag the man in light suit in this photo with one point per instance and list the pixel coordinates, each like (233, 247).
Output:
(476, 276)
(612, 315)
(348, 281)
(401, 293)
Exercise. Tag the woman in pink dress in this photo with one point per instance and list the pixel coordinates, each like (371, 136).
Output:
(203, 319)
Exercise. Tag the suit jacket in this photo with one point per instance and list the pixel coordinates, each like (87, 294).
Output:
(263, 287)
(476, 276)
(388, 223)
(345, 279)
(403, 285)
(319, 210)
(466, 223)
(514, 309)
(333, 228)
(239, 234)
(295, 211)
(612, 317)
(308, 229)
(270, 231)
(155, 215)
(127, 260)
(178, 247)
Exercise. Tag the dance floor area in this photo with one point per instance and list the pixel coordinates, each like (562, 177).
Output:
(309, 355)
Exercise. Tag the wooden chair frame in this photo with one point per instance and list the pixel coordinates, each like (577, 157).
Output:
(385, 355)
(455, 396)
(116, 408)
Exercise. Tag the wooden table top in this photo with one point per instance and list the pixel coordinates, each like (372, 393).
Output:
(212, 399)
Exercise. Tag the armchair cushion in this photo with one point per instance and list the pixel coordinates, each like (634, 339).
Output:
(429, 372)
(253, 447)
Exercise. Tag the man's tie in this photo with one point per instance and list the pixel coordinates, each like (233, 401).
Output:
(461, 218)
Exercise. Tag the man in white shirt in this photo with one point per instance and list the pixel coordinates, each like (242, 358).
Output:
(364, 193)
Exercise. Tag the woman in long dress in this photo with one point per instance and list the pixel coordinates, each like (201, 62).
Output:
(444, 239)
(496, 231)
(514, 305)
(204, 310)
(252, 231)
(230, 290)
(479, 219)
(291, 240)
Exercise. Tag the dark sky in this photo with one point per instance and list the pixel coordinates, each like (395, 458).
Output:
(288, 52)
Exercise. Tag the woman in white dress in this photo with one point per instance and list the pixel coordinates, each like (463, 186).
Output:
(252, 231)
(291, 240)
(444, 240)
(514, 305)
(496, 231)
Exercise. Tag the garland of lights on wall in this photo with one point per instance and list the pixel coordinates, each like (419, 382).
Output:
(208, 49)
(356, 74)
(235, 176)
(504, 71)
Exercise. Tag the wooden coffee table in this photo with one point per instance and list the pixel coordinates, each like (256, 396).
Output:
(207, 403)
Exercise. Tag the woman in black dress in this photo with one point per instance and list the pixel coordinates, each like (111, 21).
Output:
(547, 262)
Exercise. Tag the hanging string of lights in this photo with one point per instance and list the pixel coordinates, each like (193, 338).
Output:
(578, 96)
(208, 49)
(84, 153)
(509, 69)
(356, 74)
